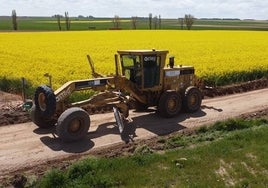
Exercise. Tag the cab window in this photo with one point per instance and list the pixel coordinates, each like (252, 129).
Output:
(131, 68)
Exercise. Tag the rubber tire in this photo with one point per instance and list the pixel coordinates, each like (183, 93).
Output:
(50, 101)
(163, 105)
(38, 119)
(64, 122)
(190, 92)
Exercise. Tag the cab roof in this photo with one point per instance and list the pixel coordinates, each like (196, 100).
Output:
(138, 52)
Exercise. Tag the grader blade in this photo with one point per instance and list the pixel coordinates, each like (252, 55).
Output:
(119, 120)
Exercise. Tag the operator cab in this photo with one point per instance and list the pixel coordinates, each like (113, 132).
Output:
(142, 67)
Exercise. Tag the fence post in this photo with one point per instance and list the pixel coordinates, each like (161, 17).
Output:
(23, 80)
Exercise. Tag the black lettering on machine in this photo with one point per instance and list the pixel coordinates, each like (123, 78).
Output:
(149, 58)
(91, 83)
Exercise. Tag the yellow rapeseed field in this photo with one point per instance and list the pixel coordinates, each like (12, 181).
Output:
(63, 54)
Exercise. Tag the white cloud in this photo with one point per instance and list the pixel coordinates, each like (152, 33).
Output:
(256, 9)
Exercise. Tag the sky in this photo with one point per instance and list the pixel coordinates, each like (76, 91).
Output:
(242, 9)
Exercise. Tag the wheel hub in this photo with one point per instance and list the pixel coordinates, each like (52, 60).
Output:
(74, 125)
(42, 101)
(193, 100)
(172, 104)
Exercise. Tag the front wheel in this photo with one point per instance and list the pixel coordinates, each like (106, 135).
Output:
(169, 104)
(45, 101)
(73, 124)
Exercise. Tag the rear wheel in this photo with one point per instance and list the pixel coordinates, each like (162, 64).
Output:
(39, 120)
(73, 124)
(170, 104)
(192, 99)
(45, 101)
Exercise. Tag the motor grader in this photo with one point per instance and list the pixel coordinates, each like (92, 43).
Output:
(142, 78)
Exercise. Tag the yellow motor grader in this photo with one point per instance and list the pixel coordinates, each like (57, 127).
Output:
(142, 78)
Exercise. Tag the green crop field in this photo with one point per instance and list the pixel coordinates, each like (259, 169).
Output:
(50, 24)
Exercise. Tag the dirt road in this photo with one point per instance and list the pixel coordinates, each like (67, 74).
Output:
(24, 146)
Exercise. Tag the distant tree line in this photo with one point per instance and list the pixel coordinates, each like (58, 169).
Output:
(14, 20)
(67, 20)
(188, 20)
(154, 22)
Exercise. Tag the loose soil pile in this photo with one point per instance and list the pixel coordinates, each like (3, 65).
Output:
(11, 111)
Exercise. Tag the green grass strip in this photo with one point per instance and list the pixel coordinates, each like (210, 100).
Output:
(236, 156)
